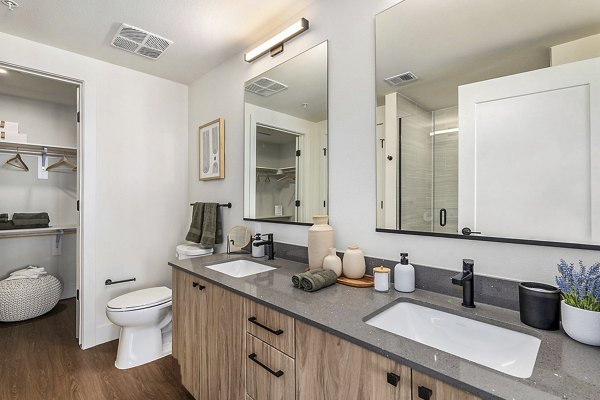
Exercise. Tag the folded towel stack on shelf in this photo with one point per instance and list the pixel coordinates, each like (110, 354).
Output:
(30, 272)
(25, 221)
(9, 132)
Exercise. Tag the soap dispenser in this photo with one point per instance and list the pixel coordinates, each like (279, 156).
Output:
(404, 275)
(257, 251)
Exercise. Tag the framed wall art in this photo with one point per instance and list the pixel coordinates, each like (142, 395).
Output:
(212, 150)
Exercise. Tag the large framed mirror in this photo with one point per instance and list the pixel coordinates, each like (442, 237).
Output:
(286, 146)
(488, 120)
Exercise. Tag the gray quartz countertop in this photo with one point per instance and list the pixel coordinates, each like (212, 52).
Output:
(564, 369)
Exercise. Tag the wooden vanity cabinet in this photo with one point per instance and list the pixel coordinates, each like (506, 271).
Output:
(215, 331)
(425, 387)
(328, 367)
(208, 338)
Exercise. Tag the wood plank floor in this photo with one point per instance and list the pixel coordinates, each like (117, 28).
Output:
(40, 359)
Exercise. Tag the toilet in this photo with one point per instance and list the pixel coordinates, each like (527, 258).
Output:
(191, 250)
(145, 319)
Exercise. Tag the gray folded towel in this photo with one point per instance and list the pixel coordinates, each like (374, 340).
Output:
(206, 226)
(3, 217)
(6, 225)
(318, 280)
(31, 220)
(296, 278)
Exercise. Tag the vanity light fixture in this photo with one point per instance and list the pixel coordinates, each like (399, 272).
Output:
(442, 131)
(275, 44)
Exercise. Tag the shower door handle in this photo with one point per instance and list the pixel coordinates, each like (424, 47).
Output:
(443, 216)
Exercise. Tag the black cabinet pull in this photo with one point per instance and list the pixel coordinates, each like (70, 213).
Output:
(195, 284)
(443, 218)
(276, 373)
(393, 379)
(254, 321)
(425, 393)
(467, 231)
(199, 286)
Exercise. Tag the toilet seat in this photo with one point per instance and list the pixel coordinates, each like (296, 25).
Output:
(140, 299)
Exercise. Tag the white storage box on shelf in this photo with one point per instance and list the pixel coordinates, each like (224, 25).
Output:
(22, 299)
(13, 137)
(9, 127)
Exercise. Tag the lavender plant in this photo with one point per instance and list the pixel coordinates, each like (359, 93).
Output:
(581, 288)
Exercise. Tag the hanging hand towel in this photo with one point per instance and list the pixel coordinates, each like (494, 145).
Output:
(206, 227)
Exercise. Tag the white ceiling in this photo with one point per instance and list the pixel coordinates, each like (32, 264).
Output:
(306, 78)
(447, 43)
(205, 32)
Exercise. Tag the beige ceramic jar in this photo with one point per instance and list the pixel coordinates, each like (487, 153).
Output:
(333, 262)
(320, 240)
(354, 263)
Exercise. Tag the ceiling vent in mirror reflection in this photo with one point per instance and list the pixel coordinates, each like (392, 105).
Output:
(401, 79)
(265, 87)
(140, 42)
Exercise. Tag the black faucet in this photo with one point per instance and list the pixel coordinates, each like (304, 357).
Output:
(466, 280)
(268, 244)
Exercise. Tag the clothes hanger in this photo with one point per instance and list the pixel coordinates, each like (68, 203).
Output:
(63, 161)
(18, 162)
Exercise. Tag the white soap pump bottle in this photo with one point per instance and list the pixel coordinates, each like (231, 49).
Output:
(404, 275)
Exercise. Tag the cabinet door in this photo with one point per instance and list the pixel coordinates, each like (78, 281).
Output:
(329, 368)
(425, 387)
(224, 344)
(186, 304)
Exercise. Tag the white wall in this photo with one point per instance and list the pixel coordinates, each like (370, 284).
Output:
(134, 173)
(349, 27)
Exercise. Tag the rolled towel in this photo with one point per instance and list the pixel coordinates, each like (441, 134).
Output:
(298, 277)
(319, 280)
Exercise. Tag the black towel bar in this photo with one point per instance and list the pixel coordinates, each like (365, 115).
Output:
(228, 205)
(111, 282)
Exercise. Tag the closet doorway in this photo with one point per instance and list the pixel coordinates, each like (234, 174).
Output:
(41, 179)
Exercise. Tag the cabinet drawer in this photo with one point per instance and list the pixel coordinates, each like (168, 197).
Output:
(270, 326)
(270, 374)
(427, 388)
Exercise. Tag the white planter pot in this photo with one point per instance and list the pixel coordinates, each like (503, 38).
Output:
(581, 325)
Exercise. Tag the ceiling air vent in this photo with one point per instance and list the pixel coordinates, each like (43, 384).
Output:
(401, 79)
(139, 41)
(265, 87)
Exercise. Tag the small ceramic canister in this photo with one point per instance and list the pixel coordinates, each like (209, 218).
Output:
(382, 279)
(333, 262)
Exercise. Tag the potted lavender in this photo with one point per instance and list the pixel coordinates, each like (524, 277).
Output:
(580, 306)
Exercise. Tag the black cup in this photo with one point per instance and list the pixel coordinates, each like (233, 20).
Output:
(539, 305)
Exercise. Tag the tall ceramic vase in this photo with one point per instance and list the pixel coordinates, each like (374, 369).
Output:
(320, 240)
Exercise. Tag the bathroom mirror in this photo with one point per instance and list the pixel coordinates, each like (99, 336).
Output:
(488, 120)
(285, 165)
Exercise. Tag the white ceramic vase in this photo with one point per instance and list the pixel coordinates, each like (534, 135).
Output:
(581, 325)
(320, 240)
(354, 263)
(333, 262)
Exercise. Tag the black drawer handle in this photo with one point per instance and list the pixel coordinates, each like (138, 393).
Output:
(443, 216)
(254, 321)
(393, 379)
(276, 373)
(425, 393)
(199, 286)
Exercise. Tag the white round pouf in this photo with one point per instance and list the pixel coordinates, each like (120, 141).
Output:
(22, 299)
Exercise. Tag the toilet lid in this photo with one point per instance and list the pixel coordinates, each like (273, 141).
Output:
(192, 250)
(141, 298)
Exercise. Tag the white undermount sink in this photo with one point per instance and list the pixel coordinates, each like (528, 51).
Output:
(240, 268)
(502, 349)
